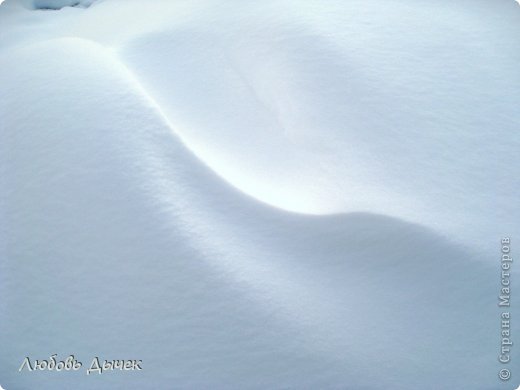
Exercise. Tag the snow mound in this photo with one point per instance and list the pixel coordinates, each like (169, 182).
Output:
(121, 185)
(289, 194)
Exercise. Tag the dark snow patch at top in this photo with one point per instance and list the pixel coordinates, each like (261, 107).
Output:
(59, 4)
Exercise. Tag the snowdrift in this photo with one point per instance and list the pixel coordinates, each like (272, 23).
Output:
(277, 195)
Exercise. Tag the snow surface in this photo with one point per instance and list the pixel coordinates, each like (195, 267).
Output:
(277, 194)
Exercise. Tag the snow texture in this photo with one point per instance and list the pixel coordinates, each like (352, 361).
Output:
(258, 195)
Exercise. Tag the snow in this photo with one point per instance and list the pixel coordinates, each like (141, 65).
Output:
(59, 4)
(280, 194)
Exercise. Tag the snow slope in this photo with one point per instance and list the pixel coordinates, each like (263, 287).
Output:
(275, 195)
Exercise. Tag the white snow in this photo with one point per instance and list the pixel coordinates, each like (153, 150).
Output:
(277, 194)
